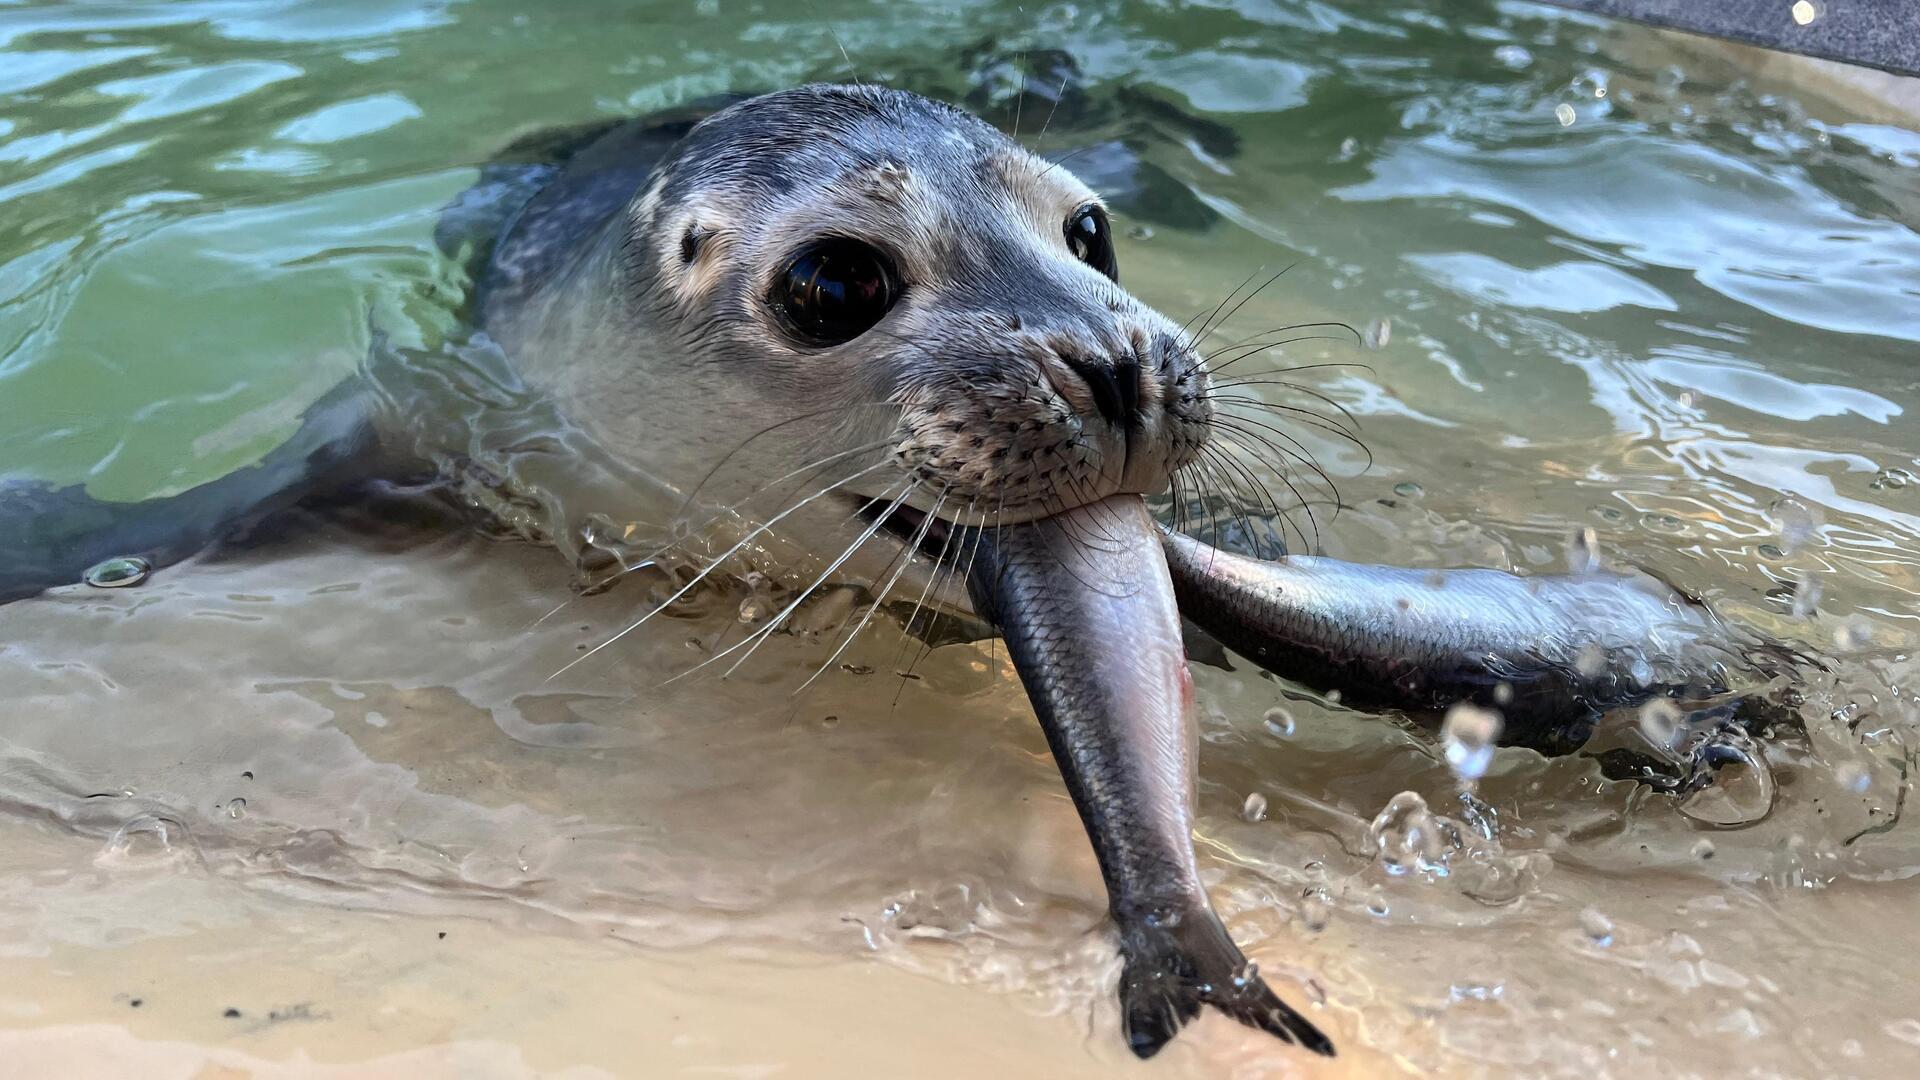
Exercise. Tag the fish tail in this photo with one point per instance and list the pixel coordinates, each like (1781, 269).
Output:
(1173, 967)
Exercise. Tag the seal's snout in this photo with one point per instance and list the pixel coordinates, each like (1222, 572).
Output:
(1114, 386)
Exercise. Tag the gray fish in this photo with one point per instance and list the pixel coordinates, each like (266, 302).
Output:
(1551, 652)
(1085, 605)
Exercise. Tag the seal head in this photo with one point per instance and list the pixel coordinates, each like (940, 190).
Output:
(939, 305)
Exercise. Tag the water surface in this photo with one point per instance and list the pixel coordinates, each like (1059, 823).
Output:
(1610, 283)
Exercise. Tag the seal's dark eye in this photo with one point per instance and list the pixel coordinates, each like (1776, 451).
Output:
(835, 290)
(1090, 239)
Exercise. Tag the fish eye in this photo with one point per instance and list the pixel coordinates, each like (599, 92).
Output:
(834, 290)
(1090, 238)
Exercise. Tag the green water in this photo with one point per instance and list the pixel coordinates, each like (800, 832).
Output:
(1621, 287)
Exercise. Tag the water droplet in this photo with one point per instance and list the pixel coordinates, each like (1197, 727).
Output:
(1906, 1030)
(1515, 57)
(1739, 786)
(1702, 849)
(1806, 595)
(1564, 113)
(1378, 333)
(1853, 776)
(1315, 911)
(1598, 928)
(1853, 633)
(1406, 836)
(1280, 722)
(1468, 735)
(1255, 808)
(1591, 660)
(1891, 480)
(1665, 524)
(1377, 904)
(118, 573)
(1407, 489)
(1794, 521)
(1660, 722)
(144, 838)
(1583, 554)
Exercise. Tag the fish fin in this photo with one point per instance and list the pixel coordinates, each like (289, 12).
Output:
(1171, 970)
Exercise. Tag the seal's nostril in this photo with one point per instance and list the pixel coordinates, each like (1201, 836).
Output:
(1115, 387)
(1127, 374)
(1100, 381)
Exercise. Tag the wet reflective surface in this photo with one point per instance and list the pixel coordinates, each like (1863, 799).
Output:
(1604, 283)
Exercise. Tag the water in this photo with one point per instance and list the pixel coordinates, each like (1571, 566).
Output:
(1607, 279)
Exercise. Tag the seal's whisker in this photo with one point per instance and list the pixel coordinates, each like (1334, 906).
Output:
(906, 559)
(1195, 336)
(1261, 499)
(1231, 444)
(1235, 384)
(752, 641)
(919, 605)
(651, 557)
(707, 477)
(1299, 415)
(1058, 94)
(1020, 91)
(1299, 452)
(835, 35)
(712, 566)
(1215, 324)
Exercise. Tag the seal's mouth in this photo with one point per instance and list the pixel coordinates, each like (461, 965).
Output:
(907, 525)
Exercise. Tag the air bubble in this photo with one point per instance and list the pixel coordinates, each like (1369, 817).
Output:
(1806, 596)
(1794, 521)
(1702, 849)
(1853, 633)
(1739, 789)
(1378, 333)
(1597, 927)
(1514, 57)
(1406, 836)
(1407, 489)
(1255, 808)
(1315, 911)
(1591, 661)
(1660, 722)
(146, 838)
(1853, 776)
(118, 573)
(1565, 114)
(1583, 554)
(1280, 722)
(1468, 735)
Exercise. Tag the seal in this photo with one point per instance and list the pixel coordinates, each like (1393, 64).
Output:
(939, 305)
